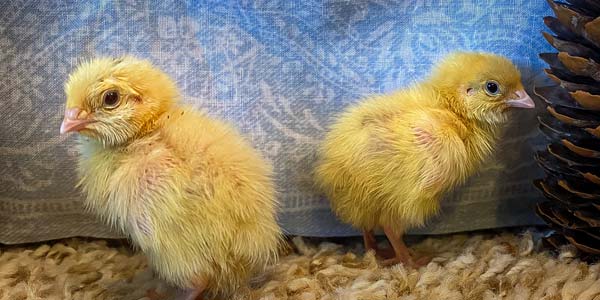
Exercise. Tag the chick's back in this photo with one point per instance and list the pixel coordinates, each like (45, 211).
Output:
(371, 165)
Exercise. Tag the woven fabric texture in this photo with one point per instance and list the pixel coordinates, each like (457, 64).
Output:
(280, 70)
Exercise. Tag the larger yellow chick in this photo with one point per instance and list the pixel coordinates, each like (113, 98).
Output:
(387, 161)
(195, 197)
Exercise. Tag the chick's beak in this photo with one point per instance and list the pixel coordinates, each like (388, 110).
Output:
(75, 120)
(521, 100)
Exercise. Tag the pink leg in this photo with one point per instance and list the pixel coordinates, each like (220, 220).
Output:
(371, 244)
(190, 294)
(369, 239)
(403, 254)
(195, 294)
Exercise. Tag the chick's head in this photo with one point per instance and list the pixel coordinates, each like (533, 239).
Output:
(114, 100)
(485, 86)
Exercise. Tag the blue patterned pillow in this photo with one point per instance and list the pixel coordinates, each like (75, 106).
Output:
(280, 70)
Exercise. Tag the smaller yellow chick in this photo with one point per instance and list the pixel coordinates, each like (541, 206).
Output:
(189, 191)
(387, 161)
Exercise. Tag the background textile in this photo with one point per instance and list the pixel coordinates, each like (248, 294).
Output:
(280, 70)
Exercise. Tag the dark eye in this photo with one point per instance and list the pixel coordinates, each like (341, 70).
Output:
(111, 99)
(492, 88)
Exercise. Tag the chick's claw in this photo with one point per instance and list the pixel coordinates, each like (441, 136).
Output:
(412, 261)
(422, 261)
(394, 261)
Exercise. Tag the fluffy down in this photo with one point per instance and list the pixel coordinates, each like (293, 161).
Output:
(195, 197)
(386, 161)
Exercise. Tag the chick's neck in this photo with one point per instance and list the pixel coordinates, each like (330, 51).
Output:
(147, 128)
(480, 135)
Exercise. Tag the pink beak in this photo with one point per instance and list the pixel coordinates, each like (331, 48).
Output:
(521, 100)
(75, 120)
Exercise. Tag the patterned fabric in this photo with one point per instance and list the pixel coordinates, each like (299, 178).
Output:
(279, 69)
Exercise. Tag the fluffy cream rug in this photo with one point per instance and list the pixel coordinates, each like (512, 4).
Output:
(474, 266)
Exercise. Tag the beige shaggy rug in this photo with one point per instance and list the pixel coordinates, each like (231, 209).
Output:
(465, 266)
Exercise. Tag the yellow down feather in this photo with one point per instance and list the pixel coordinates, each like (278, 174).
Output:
(195, 197)
(388, 159)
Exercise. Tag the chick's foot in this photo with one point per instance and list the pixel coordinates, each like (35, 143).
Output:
(385, 253)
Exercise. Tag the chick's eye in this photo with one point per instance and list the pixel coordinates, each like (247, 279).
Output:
(111, 99)
(491, 87)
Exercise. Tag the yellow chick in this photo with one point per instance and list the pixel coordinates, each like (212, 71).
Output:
(387, 161)
(195, 197)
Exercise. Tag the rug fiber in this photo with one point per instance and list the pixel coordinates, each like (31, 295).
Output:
(501, 265)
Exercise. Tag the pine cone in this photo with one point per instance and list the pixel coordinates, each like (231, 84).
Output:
(571, 161)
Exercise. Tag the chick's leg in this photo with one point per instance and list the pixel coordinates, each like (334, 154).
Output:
(371, 244)
(370, 241)
(403, 254)
(196, 292)
(400, 249)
